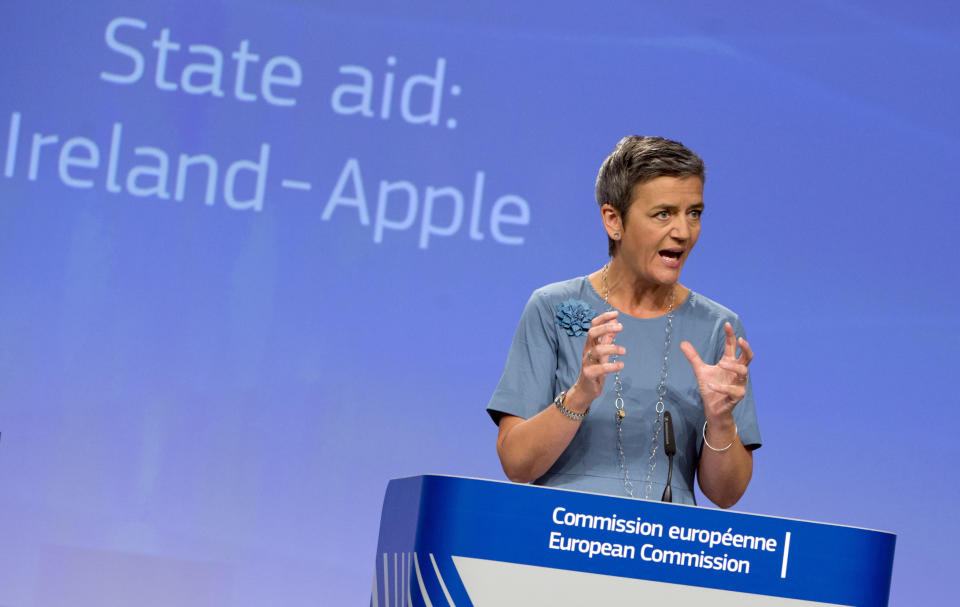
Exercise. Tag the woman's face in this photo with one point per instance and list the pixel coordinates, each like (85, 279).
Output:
(662, 226)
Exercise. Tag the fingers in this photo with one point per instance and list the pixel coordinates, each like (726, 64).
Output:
(730, 345)
(746, 354)
(603, 328)
(600, 319)
(734, 392)
(600, 370)
(602, 352)
(691, 353)
(595, 369)
(599, 346)
(737, 368)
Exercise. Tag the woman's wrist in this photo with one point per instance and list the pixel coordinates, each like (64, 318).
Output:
(719, 433)
(722, 423)
(576, 401)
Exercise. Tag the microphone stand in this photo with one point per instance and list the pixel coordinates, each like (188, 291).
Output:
(670, 448)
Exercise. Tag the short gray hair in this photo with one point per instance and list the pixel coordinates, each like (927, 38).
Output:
(636, 160)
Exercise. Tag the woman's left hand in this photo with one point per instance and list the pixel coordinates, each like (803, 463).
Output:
(724, 384)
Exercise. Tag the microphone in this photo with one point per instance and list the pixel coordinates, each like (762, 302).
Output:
(670, 448)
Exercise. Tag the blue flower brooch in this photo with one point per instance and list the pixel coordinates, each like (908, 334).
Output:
(574, 316)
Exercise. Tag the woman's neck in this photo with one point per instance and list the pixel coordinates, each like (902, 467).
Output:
(634, 296)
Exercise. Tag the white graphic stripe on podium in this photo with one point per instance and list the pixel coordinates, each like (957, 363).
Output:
(386, 580)
(446, 592)
(423, 588)
(409, 573)
(786, 554)
(405, 570)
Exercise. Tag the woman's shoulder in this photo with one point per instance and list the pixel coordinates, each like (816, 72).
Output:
(704, 307)
(568, 302)
(565, 288)
(576, 290)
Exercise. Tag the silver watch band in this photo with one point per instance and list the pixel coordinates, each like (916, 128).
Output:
(558, 403)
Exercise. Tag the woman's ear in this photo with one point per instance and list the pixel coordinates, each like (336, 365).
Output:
(612, 221)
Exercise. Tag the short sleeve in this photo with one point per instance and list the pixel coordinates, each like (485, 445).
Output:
(527, 384)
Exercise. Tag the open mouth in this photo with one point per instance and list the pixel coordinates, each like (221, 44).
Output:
(671, 257)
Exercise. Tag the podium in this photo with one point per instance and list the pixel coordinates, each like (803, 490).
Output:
(460, 542)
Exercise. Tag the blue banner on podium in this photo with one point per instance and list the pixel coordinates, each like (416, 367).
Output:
(461, 542)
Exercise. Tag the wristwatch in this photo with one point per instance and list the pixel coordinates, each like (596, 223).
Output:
(558, 403)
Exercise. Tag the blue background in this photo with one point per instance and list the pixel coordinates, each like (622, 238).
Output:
(202, 406)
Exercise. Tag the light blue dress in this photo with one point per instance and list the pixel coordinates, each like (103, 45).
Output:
(545, 360)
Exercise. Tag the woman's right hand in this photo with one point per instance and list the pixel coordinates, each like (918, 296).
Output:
(595, 364)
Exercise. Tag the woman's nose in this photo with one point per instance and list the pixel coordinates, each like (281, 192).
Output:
(681, 230)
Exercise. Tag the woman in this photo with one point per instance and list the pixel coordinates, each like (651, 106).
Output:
(597, 359)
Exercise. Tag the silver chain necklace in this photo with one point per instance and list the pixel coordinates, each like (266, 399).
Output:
(618, 402)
